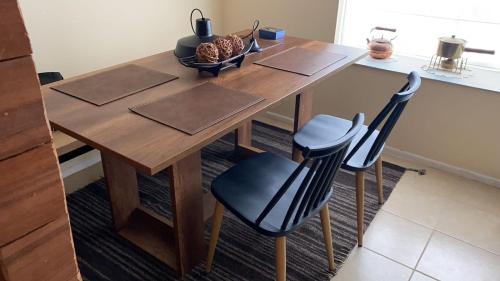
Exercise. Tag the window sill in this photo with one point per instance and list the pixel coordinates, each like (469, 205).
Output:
(474, 77)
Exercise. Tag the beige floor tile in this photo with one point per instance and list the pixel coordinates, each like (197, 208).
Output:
(447, 258)
(454, 187)
(365, 265)
(481, 196)
(433, 182)
(416, 202)
(397, 238)
(472, 225)
(417, 276)
(424, 199)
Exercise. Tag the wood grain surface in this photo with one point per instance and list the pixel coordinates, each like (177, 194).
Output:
(31, 192)
(35, 236)
(151, 147)
(44, 254)
(198, 108)
(187, 202)
(301, 60)
(22, 120)
(14, 41)
(108, 86)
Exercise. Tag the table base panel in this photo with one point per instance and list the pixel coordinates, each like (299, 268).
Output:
(153, 234)
(243, 151)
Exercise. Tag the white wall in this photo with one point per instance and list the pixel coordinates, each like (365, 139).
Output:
(308, 19)
(77, 36)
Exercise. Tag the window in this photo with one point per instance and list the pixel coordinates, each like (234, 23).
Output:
(420, 23)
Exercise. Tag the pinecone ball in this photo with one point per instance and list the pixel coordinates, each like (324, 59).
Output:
(224, 47)
(237, 43)
(207, 52)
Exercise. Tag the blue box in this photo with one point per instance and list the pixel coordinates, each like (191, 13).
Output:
(271, 33)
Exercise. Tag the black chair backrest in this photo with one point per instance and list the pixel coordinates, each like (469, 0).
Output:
(49, 77)
(392, 111)
(325, 160)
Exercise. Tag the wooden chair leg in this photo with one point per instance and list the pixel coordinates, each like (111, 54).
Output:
(380, 180)
(360, 204)
(327, 234)
(216, 224)
(281, 258)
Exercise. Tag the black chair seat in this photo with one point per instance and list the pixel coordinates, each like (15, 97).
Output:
(247, 188)
(49, 77)
(326, 128)
(275, 195)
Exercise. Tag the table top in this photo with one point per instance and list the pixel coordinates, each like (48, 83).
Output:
(151, 147)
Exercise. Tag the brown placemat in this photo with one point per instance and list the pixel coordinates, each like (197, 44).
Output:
(301, 60)
(198, 108)
(110, 85)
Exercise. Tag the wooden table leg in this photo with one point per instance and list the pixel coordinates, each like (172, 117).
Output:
(179, 243)
(243, 142)
(303, 113)
(121, 180)
(187, 203)
(243, 135)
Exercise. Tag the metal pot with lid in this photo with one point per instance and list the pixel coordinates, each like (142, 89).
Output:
(453, 48)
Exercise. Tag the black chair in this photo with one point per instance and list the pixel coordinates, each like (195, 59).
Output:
(275, 195)
(49, 77)
(367, 145)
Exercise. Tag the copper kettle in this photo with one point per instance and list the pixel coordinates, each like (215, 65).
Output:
(380, 48)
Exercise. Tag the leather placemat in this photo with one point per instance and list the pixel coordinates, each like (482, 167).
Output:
(198, 108)
(301, 60)
(110, 85)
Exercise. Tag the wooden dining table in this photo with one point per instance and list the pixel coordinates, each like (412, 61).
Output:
(129, 142)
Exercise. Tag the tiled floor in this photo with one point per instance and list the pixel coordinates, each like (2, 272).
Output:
(433, 227)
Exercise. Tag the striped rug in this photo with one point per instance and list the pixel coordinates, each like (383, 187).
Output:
(241, 254)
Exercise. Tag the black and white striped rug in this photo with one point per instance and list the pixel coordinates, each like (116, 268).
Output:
(241, 254)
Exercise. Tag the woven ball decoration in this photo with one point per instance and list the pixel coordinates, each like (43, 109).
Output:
(225, 48)
(237, 43)
(207, 52)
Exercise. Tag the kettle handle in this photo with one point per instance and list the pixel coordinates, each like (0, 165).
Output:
(481, 51)
(191, 19)
(384, 28)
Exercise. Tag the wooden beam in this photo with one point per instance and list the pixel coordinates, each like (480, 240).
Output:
(31, 192)
(22, 116)
(45, 254)
(14, 41)
(35, 236)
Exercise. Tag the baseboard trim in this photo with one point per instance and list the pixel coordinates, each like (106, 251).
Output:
(279, 117)
(418, 159)
(414, 158)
